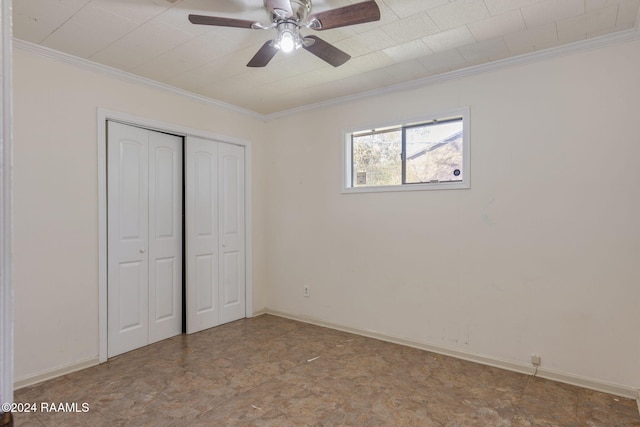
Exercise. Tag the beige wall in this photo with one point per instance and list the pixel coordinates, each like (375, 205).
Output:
(540, 256)
(56, 200)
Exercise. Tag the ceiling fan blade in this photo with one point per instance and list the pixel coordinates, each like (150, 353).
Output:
(264, 55)
(282, 8)
(222, 22)
(358, 13)
(325, 51)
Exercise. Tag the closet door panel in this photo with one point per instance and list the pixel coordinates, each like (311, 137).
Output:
(202, 234)
(127, 261)
(144, 220)
(232, 231)
(165, 236)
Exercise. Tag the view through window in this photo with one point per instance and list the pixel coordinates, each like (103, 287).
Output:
(431, 152)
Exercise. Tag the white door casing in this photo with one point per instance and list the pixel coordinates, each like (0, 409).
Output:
(144, 237)
(104, 116)
(6, 186)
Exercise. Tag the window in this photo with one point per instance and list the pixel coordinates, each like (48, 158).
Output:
(430, 153)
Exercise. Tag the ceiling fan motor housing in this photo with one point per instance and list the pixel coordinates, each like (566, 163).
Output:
(300, 10)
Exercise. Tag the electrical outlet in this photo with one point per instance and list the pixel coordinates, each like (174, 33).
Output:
(536, 360)
(307, 291)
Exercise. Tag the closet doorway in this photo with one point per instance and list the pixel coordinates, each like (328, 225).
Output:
(176, 235)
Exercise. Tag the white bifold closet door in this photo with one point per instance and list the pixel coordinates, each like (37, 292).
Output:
(144, 220)
(215, 228)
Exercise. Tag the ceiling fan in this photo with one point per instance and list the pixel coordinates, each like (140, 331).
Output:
(288, 17)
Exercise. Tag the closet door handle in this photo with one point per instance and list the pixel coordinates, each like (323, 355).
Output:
(142, 250)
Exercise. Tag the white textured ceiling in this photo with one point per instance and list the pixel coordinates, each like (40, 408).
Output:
(414, 39)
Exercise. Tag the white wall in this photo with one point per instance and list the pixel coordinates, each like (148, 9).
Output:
(541, 255)
(56, 200)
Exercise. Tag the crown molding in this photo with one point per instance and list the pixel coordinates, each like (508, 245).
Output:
(542, 55)
(531, 57)
(126, 76)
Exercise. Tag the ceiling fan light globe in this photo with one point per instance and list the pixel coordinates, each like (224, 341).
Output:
(287, 42)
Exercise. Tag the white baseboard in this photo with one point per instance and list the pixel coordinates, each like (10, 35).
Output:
(54, 373)
(258, 313)
(609, 388)
(589, 383)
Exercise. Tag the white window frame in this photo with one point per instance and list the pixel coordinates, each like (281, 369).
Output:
(464, 112)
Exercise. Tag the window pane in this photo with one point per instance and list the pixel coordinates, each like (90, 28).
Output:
(376, 159)
(434, 152)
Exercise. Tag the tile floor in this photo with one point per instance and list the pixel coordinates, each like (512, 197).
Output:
(270, 371)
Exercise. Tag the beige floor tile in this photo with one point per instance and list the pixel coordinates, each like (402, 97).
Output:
(270, 371)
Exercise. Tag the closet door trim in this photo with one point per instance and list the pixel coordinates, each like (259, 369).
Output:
(104, 115)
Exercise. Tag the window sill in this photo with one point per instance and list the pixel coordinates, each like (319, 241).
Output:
(408, 187)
